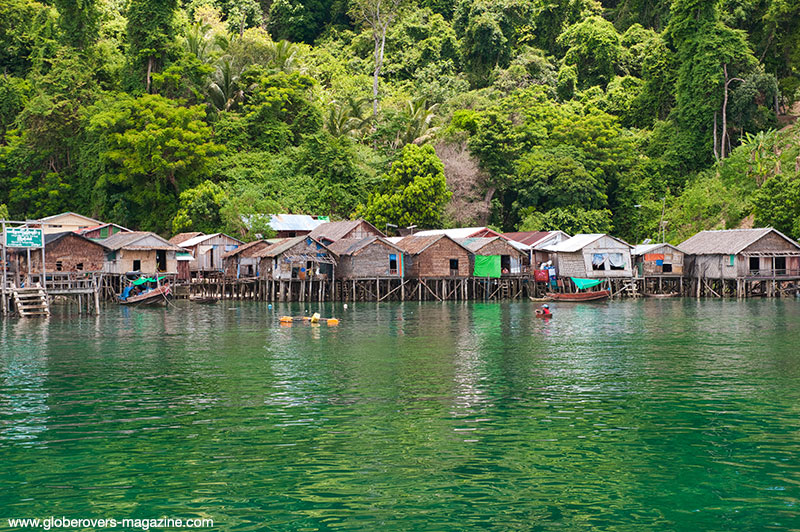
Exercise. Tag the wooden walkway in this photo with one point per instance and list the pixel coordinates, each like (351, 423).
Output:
(35, 297)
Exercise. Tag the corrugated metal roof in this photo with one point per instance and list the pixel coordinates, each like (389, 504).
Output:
(293, 222)
(642, 249)
(455, 234)
(129, 240)
(70, 213)
(727, 241)
(199, 239)
(578, 242)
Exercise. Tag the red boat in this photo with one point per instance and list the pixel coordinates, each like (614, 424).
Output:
(597, 295)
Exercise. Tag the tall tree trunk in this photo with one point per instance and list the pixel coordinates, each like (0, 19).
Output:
(380, 40)
(149, 71)
(487, 202)
(716, 152)
(725, 136)
(724, 113)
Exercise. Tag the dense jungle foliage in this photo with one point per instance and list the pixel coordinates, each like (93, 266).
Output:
(581, 115)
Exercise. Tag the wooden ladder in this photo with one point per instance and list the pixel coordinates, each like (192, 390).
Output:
(629, 287)
(31, 301)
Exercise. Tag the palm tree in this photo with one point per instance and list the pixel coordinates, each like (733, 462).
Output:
(199, 42)
(347, 118)
(284, 56)
(764, 152)
(418, 123)
(224, 89)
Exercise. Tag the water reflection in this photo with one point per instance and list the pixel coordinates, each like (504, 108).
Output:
(641, 415)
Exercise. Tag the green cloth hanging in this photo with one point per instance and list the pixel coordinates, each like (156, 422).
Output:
(583, 284)
(487, 266)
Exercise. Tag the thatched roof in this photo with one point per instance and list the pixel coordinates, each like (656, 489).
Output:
(351, 246)
(183, 237)
(728, 241)
(415, 244)
(246, 247)
(54, 237)
(338, 230)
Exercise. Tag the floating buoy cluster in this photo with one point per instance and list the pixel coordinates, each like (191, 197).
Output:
(315, 318)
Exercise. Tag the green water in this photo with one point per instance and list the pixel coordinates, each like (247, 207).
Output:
(625, 416)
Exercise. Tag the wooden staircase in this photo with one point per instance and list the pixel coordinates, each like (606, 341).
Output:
(31, 301)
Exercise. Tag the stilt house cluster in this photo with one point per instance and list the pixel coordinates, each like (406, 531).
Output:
(352, 259)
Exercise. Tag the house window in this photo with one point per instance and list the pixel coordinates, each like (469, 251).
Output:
(79, 266)
(666, 268)
(780, 265)
(393, 264)
(754, 265)
(453, 266)
(59, 266)
(616, 261)
(111, 256)
(599, 261)
(137, 265)
(731, 259)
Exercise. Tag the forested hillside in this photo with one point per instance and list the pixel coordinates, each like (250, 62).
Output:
(580, 115)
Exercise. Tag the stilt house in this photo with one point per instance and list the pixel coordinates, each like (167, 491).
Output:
(68, 252)
(207, 252)
(496, 256)
(301, 257)
(654, 260)
(140, 251)
(435, 256)
(242, 262)
(592, 256)
(742, 254)
(372, 257)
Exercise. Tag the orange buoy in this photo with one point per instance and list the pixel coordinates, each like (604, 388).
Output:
(332, 321)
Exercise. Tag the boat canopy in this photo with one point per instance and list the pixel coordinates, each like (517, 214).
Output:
(143, 280)
(583, 284)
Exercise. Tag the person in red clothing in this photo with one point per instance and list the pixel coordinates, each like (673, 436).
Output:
(546, 310)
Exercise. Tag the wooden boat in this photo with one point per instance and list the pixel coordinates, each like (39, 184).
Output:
(155, 297)
(577, 297)
(204, 300)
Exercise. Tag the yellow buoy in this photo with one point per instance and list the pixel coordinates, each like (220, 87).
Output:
(333, 321)
(315, 318)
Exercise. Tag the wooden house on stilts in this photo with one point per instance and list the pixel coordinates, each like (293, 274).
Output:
(368, 269)
(742, 262)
